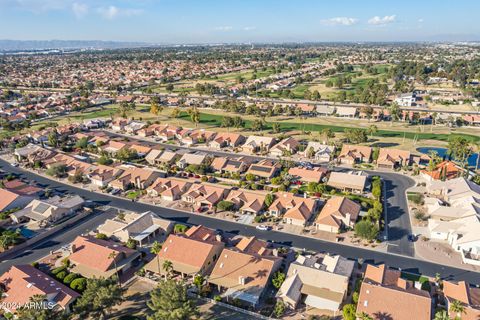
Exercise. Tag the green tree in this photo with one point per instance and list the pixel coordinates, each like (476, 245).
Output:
(169, 87)
(372, 130)
(459, 147)
(155, 249)
(442, 315)
(457, 307)
(169, 301)
(363, 316)
(194, 115)
(53, 139)
(125, 108)
(366, 230)
(82, 143)
(349, 312)
(327, 134)
(276, 127)
(225, 205)
(40, 313)
(238, 122)
(279, 309)
(269, 198)
(257, 125)
(355, 135)
(8, 238)
(278, 278)
(99, 298)
(167, 266)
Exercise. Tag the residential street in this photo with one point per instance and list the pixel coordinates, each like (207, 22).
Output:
(397, 232)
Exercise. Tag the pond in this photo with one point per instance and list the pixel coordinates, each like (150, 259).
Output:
(442, 152)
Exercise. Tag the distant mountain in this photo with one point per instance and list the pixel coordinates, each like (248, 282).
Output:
(32, 45)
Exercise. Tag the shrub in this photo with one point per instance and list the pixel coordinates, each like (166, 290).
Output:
(59, 269)
(79, 284)
(101, 236)
(61, 275)
(66, 262)
(131, 244)
(217, 298)
(180, 228)
(366, 230)
(34, 264)
(69, 278)
(225, 205)
(349, 312)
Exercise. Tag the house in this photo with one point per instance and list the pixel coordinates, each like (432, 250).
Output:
(92, 257)
(167, 158)
(347, 181)
(196, 159)
(133, 126)
(32, 153)
(446, 170)
(205, 195)
(12, 200)
(294, 209)
(192, 137)
(351, 154)
(169, 189)
(246, 201)
(286, 147)
(112, 147)
(393, 158)
(230, 165)
(319, 152)
(22, 282)
(321, 281)
(226, 139)
(254, 246)
(102, 175)
(48, 211)
(152, 156)
(22, 189)
(307, 109)
(139, 178)
(325, 110)
(472, 120)
(406, 100)
(242, 276)
(385, 293)
(454, 216)
(336, 214)
(315, 174)
(469, 298)
(255, 144)
(139, 227)
(141, 150)
(119, 125)
(346, 112)
(265, 168)
(192, 253)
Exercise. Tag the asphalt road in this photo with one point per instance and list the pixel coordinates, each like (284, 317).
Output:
(398, 261)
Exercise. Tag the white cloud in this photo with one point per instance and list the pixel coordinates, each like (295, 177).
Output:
(79, 9)
(378, 21)
(420, 20)
(224, 28)
(112, 12)
(339, 21)
(249, 28)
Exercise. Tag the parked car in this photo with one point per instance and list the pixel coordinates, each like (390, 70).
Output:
(263, 227)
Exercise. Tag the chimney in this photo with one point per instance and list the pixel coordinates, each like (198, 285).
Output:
(241, 280)
(218, 238)
(73, 248)
(275, 252)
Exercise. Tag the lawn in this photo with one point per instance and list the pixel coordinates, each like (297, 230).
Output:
(417, 278)
(215, 121)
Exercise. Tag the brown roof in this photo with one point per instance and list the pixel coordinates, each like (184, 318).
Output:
(384, 294)
(337, 208)
(22, 282)
(94, 253)
(353, 151)
(6, 198)
(308, 175)
(468, 296)
(391, 156)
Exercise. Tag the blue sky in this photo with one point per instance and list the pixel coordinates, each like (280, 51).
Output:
(213, 21)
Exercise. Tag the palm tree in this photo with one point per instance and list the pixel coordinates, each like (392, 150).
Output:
(457, 307)
(477, 146)
(442, 315)
(113, 256)
(156, 248)
(372, 129)
(168, 267)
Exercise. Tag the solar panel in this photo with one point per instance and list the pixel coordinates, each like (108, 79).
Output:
(261, 169)
(41, 208)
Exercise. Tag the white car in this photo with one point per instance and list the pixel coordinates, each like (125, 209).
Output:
(15, 164)
(263, 227)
